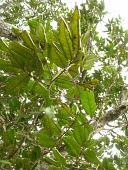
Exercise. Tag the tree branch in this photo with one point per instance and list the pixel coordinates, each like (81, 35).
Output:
(6, 31)
(110, 116)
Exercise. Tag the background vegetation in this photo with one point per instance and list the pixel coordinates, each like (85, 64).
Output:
(59, 86)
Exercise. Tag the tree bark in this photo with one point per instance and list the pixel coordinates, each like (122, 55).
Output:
(6, 31)
(110, 116)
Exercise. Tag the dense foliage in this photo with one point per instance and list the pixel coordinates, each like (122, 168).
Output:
(54, 96)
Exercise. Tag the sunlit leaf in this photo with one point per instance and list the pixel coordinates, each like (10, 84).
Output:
(44, 140)
(75, 30)
(57, 57)
(52, 161)
(59, 157)
(88, 102)
(89, 61)
(65, 40)
(27, 39)
(80, 134)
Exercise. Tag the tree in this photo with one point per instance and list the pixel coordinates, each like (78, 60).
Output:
(51, 105)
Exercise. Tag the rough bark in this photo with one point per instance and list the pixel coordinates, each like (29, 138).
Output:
(110, 116)
(6, 31)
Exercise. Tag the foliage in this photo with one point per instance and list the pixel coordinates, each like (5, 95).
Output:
(49, 99)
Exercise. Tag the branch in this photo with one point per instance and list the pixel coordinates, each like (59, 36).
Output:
(110, 116)
(6, 31)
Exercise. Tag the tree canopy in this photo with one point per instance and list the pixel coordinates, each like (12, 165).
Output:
(61, 86)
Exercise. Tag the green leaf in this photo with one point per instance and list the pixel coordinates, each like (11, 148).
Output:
(16, 84)
(91, 157)
(16, 60)
(65, 40)
(64, 81)
(72, 147)
(54, 168)
(22, 163)
(27, 39)
(33, 23)
(80, 134)
(90, 143)
(59, 157)
(57, 57)
(86, 36)
(88, 102)
(75, 30)
(4, 47)
(40, 33)
(49, 125)
(49, 111)
(73, 70)
(8, 67)
(21, 50)
(89, 61)
(8, 137)
(44, 139)
(36, 153)
(41, 90)
(52, 161)
(4, 162)
(75, 91)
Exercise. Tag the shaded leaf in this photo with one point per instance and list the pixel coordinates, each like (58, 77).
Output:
(8, 137)
(21, 50)
(5, 162)
(64, 81)
(38, 88)
(73, 70)
(36, 153)
(16, 84)
(8, 67)
(72, 147)
(91, 157)
(49, 125)
(40, 33)
(22, 163)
